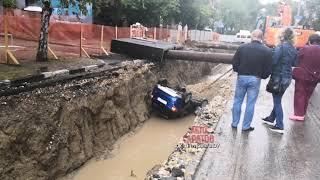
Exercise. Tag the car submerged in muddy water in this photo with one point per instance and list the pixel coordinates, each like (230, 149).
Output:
(174, 102)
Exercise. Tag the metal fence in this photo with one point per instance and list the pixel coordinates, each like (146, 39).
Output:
(197, 35)
(69, 39)
(66, 39)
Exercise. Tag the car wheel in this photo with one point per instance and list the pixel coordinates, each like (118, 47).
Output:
(187, 97)
(163, 82)
(204, 103)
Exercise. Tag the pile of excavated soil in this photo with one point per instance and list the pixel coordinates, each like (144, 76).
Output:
(49, 132)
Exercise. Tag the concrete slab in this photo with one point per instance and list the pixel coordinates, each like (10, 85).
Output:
(262, 154)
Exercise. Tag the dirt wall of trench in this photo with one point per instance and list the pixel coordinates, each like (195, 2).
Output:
(49, 132)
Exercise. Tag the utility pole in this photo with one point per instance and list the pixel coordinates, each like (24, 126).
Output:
(296, 20)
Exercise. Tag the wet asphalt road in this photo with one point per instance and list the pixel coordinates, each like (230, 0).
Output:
(262, 154)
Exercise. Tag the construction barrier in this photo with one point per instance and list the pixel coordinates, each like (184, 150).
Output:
(67, 39)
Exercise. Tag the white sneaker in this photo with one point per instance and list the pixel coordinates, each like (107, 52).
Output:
(276, 129)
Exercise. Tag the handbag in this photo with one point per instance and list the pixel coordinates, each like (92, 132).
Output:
(275, 86)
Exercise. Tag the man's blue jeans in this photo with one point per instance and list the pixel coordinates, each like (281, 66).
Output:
(250, 86)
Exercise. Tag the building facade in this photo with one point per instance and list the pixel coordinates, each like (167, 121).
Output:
(68, 13)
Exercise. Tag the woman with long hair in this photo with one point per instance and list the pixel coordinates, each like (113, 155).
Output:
(284, 58)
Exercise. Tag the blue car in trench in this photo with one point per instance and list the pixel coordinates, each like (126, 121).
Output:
(174, 102)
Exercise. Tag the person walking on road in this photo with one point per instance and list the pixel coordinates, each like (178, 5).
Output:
(307, 76)
(252, 62)
(284, 58)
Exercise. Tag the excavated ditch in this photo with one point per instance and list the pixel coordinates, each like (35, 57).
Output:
(49, 132)
(153, 142)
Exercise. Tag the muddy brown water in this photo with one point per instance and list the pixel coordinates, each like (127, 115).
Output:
(149, 145)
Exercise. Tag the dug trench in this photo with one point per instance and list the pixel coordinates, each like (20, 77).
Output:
(156, 142)
(49, 132)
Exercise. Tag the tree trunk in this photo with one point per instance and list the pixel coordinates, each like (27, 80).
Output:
(42, 54)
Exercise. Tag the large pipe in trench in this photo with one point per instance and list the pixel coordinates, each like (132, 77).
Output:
(144, 49)
(225, 58)
(217, 46)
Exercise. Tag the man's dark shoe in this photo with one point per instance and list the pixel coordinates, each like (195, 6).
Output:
(267, 121)
(276, 129)
(233, 127)
(248, 130)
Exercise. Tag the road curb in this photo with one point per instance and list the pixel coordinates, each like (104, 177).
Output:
(5, 82)
(48, 75)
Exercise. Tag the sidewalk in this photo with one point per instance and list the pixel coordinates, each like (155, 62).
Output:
(262, 154)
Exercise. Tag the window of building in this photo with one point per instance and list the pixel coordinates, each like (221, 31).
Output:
(33, 3)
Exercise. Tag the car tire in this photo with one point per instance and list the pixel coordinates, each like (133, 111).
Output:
(204, 103)
(163, 82)
(187, 97)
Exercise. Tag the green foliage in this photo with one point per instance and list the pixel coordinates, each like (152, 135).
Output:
(148, 12)
(235, 14)
(81, 4)
(9, 3)
(313, 13)
(238, 14)
(196, 13)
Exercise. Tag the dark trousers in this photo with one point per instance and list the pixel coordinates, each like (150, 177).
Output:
(302, 93)
(277, 111)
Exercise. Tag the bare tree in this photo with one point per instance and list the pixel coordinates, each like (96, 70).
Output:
(42, 54)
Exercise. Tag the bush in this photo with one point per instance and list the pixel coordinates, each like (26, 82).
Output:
(9, 3)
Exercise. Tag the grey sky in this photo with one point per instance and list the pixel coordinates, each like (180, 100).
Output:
(267, 1)
(271, 1)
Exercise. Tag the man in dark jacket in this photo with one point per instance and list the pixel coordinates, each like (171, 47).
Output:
(252, 62)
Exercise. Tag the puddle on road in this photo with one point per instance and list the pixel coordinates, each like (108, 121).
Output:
(150, 145)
